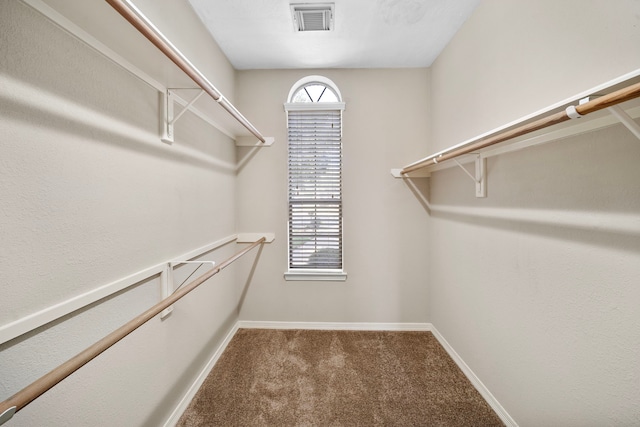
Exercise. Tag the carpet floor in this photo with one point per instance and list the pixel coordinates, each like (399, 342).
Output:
(336, 378)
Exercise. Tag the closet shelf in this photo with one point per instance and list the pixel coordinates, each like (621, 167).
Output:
(558, 121)
(132, 14)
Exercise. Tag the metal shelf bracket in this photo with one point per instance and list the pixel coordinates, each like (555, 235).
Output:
(480, 176)
(167, 284)
(169, 118)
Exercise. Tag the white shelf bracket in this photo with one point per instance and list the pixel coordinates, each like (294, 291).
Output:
(625, 119)
(169, 118)
(167, 283)
(480, 176)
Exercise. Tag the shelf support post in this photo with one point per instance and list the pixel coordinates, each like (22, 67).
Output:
(481, 176)
(166, 287)
(167, 116)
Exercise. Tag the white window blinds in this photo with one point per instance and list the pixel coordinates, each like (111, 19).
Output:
(315, 189)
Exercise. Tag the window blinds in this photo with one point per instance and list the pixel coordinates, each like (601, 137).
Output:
(315, 189)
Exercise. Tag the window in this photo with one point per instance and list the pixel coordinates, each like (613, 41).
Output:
(314, 122)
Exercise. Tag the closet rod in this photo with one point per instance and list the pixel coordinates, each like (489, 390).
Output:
(625, 94)
(34, 390)
(132, 14)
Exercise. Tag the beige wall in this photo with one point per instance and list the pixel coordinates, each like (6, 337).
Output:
(89, 194)
(175, 19)
(543, 312)
(385, 125)
(516, 57)
(535, 286)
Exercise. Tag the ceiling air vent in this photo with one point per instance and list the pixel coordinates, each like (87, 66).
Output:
(312, 16)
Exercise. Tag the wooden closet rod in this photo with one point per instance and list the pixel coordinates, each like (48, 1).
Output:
(34, 390)
(132, 14)
(625, 94)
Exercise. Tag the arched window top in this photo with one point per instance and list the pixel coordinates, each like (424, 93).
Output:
(314, 89)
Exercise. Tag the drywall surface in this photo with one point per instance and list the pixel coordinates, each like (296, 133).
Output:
(536, 286)
(513, 58)
(90, 195)
(384, 230)
(174, 19)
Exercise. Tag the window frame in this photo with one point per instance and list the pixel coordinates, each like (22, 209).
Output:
(314, 274)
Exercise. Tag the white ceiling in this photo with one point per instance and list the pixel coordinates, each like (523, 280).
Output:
(259, 34)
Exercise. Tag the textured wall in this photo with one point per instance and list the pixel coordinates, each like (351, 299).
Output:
(384, 230)
(90, 195)
(516, 57)
(535, 286)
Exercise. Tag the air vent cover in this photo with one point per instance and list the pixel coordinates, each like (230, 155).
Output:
(312, 17)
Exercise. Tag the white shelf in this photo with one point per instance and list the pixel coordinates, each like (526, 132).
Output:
(533, 129)
(589, 123)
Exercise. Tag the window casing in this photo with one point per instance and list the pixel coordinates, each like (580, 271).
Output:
(314, 122)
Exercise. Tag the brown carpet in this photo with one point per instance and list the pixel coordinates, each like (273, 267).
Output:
(336, 378)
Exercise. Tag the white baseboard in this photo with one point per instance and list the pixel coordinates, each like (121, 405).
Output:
(482, 389)
(336, 326)
(342, 326)
(191, 392)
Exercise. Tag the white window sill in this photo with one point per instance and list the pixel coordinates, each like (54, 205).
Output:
(316, 275)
